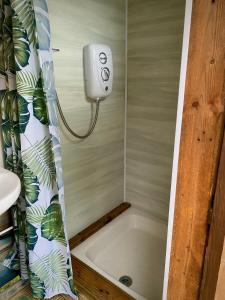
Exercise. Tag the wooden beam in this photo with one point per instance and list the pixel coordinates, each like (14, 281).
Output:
(220, 287)
(97, 285)
(201, 139)
(94, 227)
(216, 236)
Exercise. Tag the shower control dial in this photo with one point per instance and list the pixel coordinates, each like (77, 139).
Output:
(105, 74)
(103, 58)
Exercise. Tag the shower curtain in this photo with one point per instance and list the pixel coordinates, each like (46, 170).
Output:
(31, 148)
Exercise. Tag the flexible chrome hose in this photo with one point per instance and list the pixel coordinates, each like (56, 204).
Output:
(67, 126)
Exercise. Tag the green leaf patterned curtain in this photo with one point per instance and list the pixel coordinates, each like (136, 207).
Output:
(31, 148)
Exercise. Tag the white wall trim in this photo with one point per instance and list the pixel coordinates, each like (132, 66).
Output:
(184, 62)
(125, 108)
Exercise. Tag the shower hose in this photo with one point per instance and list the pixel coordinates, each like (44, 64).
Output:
(67, 126)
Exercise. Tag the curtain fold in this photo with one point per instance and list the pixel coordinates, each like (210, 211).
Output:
(31, 147)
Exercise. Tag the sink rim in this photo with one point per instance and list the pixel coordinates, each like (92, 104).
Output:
(12, 192)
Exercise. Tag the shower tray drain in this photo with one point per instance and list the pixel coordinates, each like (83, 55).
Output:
(126, 280)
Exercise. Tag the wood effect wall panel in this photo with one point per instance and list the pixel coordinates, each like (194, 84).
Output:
(93, 169)
(155, 31)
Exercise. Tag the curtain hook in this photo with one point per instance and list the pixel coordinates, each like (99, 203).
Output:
(55, 49)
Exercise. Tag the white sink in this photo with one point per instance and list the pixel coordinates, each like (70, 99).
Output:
(9, 189)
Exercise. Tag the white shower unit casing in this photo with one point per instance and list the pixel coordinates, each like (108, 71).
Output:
(98, 71)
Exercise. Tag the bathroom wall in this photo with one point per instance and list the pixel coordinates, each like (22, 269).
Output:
(155, 31)
(94, 168)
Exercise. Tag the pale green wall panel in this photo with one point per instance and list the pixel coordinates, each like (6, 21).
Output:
(155, 31)
(93, 169)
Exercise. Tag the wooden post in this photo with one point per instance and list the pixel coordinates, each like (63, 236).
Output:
(201, 139)
(216, 236)
(220, 287)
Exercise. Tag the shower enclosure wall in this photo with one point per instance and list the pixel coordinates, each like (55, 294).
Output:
(129, 155)
(98, 173)
(93, 168)
(155, 33)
